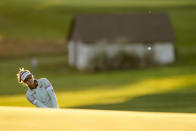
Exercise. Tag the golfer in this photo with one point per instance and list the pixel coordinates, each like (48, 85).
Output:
(40, 92)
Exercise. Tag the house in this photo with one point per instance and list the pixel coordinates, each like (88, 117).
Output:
(105, 41)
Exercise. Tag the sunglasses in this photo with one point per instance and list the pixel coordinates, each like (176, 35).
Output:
(27, 79)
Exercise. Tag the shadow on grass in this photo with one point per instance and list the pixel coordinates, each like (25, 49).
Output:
(175, 101)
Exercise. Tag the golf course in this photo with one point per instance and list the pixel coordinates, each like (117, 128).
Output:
(142, 99)
(20, 119)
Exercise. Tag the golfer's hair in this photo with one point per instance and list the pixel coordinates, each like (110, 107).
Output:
(20, 72)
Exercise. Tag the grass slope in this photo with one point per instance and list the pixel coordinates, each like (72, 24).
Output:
(50, 19)
(37, 26)
(19, 119)
(170, 88)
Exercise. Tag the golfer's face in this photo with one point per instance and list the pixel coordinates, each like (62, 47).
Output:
(29, 80)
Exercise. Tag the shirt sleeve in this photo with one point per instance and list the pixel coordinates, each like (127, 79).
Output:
(39, 104)
(52, 96)
(51, 93)
(35, 102)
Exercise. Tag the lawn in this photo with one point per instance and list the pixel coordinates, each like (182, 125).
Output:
(50, 19)
(167, 89)
(40, 28)
(22, 119)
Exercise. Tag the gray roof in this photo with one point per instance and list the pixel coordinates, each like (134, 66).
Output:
(134, 27)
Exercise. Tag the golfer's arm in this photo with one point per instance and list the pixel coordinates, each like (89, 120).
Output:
(39, 104)
(35, 102)
(52, 96)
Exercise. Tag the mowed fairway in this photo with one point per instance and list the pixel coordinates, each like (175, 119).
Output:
(22, 119)
(147, 99)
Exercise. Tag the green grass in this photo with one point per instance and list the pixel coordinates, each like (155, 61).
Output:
(51, 19)
(167, 89)
(22, 119)
(182, 100)
(56, 68)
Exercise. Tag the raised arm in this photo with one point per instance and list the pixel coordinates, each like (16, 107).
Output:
(34, 101)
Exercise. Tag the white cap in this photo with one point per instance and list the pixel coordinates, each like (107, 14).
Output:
(24, 75)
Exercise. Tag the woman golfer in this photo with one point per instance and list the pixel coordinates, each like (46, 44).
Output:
(40, 92)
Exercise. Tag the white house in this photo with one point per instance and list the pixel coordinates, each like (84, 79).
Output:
(103, 41)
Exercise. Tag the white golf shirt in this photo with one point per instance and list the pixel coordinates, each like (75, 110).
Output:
(43, 95)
